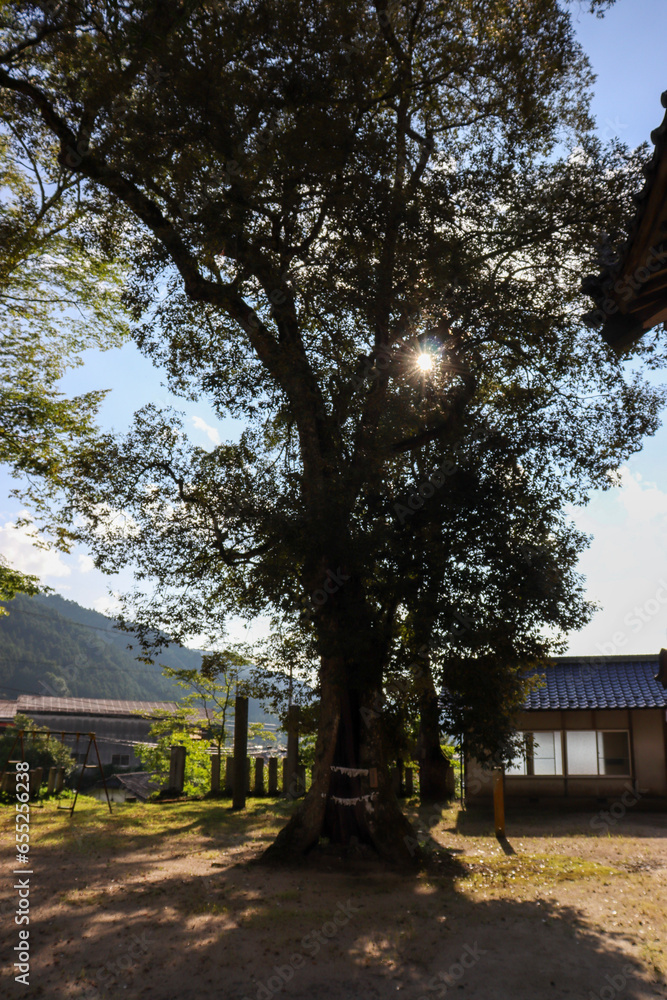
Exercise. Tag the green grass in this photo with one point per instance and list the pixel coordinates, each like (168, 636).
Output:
(133, 825)
(534, 869)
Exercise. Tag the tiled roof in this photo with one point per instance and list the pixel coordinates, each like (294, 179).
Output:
(89, 706)
(600, 682)
(7, 709)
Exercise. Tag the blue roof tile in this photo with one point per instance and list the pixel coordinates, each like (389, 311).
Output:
(599, 682)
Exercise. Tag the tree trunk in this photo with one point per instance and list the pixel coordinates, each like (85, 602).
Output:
(348, 808)
(436, 774)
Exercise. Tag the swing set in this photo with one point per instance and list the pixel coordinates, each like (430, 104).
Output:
(85, 766)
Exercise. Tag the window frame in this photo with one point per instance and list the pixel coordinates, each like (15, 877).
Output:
(564, 755)
(628, 773)
(529, 757)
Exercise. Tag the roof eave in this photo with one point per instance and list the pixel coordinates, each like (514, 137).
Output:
(631, 294)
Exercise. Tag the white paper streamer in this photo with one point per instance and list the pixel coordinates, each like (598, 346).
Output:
(354, 772)
(353, 802)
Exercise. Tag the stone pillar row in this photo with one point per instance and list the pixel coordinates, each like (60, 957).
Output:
(261, 777)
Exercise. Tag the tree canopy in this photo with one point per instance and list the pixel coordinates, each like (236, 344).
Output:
(57, 298)
(39, 749)
(360, 228)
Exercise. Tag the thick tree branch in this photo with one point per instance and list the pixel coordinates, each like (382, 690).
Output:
(289, 368)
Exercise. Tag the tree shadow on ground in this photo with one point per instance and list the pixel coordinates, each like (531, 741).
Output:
(173, 925)
(536, 821)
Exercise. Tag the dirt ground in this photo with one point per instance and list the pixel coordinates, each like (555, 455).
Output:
(165, 902)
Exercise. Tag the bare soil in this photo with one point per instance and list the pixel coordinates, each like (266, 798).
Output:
(166, 902)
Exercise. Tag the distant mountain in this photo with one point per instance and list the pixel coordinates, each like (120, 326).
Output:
(52, 646)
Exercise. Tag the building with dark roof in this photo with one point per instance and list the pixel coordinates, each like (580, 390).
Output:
(7, 712)
(599, 682)
(118, 725)
(594, 727)
(31, 704)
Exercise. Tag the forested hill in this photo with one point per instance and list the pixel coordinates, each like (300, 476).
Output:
(52, 646)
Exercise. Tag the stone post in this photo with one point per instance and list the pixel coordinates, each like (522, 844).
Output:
(292, 759)
(215, 774)
(259, 776)
(241, 765)
(177, 769)
(35, 780)
(273, 775)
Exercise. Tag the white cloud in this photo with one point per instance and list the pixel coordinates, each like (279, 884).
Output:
(108, 605)
(625, 568)
(22, 554)
(85, 564)
(210, 432)
(642, 501)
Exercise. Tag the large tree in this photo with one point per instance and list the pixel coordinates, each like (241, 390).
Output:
(360, 228)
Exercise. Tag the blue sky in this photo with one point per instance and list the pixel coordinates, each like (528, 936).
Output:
(626, 564)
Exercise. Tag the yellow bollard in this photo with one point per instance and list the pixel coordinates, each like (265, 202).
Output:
(499, 802)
